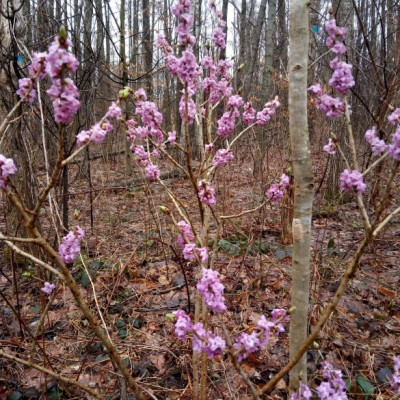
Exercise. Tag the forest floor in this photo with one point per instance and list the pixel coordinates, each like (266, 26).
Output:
(139, 276)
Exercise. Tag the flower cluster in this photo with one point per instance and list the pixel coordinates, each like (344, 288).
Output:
(378, 146)
(55, 65)
(211, 289)
(396, 375)
(206, 193)
(342, 79)
(304, 393)
(330, 148)
(48, 287)
(394, 148)
(7, 168)
(203, 340)
(222, 157)
(70, 246)
(334, 388)
(251, 343)
(189, 249)
(352, 180)
(276, 191)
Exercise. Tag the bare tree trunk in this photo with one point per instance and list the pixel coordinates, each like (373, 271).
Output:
(242, 47)
(303, 181)
(147, 46)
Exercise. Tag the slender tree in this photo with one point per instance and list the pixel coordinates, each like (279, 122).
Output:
(303, 181)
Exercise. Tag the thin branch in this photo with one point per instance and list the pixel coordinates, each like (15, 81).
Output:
(243, 213)
(59, 377)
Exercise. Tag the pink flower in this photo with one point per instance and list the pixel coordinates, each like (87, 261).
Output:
(394, 117)
(342, 79)
(187, 231)
(226, 124)
(48, 287)
(183, 324)
(211, 289)
(172, 137)
(37, 68)
(206, 193)
(203, 254)
(396, 375)
(275, 193)
(26, 89)
(394, 148)
(7, 168)
(191, 109)
(247, 344)
(352, 180)
(268, 112)
(188, 251)
(211, 344)
(249, 114)
(378, 146)
(208, 148)
(152, 172)
(222, 157)
(70, 246)
(114, 111)
(219, 38)
(330, 147)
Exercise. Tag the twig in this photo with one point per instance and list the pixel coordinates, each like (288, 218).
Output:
(243, 213)
(59, 377)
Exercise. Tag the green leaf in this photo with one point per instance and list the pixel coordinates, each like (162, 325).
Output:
(55, 393)
(331, 243)
(101, 358)
(123, 333)
(14, 396)
(97, 264)
(365, 385)
(120, 324)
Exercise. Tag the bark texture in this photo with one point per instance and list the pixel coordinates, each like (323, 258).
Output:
(303, 183)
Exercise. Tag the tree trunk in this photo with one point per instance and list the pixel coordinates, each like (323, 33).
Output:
(303, 184)
(147, 47)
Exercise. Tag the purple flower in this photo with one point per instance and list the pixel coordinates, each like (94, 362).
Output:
(330, 147)
(188, 251)
(226, 124)
(172, 137)
(187, 231)
(206, 193)
(219, 38)
(37, 68)
(394, 117)
(396, 375)
(249, 114)
(114, 111)
(342, 79)
(70, 246)
(352, 180)
(284, 182)
(191, 109)
(211, 344)
(275, 193)
(48, 288)
(268, 112)
(303, 394)
(378, 146)
(163, 44)
(332, 107)
(222, 157)
(247, 344)
(7, 168)
(203, 254)
(26, 89)
(208, 148)
(211, 289)
(334, 388)
(316, 89)
(183, 324)
(394, 148)
(152, 172)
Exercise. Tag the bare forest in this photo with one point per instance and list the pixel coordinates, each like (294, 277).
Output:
(200, 199)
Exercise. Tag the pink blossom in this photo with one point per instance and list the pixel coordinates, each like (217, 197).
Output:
(140, 95)
(330, 148)
(211, 344)
(219, 38)
(394, 117)
(316, 89)
(378, 146)
(180, 7)
(304, 393)
(247, 344)
(222, 89)
(208, 148)
(26, 89)
(70, 246)
(211, 289)
(188, 251)
(48, 287)
(342, 79)
(7, 168)
(352, 180)
(203, 254)
(249, 113)
(152, 172)
(37, 68)
(396, 376)
(191, 109)
(394, 148)
(114, 111)
(163, 44)
(332, 107)
(172, 137)
(207, 62)
(268, 112)
(235, 101)
(275, 193)
(183, 324)
(333, 30)
(206, 193)
(222, 157)
(226, 124)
